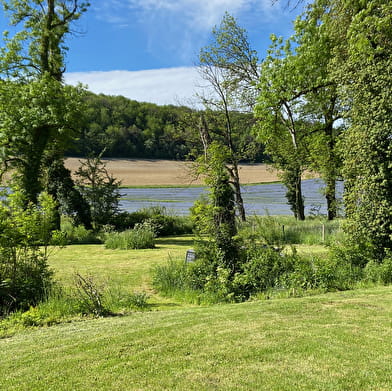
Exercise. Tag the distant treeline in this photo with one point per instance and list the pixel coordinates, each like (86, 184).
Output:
(126, 128)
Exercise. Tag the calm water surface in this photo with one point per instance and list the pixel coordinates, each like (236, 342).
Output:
(259, 199)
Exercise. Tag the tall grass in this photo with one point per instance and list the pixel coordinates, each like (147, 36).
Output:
(78, 234)
(142, 236)
(280, 230)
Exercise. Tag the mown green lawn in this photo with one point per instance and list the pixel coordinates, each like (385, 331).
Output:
(129, 270)
(337, 341)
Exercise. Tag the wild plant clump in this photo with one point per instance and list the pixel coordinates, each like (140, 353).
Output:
(25, 233)
(142, 236)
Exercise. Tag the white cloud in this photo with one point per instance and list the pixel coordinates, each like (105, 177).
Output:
(176, 86)
(182, 26)
(196, 14)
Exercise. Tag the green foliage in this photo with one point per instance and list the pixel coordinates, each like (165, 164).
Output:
(24, 273)
(90, 296)
(36, 120)
(171, 277)
(141, 236)
(365, 73)
(60, 184)
(126, 128)
(379, 272)
(86, 297)
(282, 126)
(236, 65)
(38, 114)
(298, 107)
(231, 69)
(279, 231)
(77, 234)
(163, 222)
(217, 220)
(39, 46)
(99, 189)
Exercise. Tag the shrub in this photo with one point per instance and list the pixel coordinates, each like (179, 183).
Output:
(90, 295)
(78, 234)
(263, 270)
(25, 231)
(99, 189)
(142, 236)
(377, 272)
(171, 277)
(163, 223)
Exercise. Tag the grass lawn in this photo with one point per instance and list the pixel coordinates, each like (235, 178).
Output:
(131, 269)
(124, 269)
(337, 341)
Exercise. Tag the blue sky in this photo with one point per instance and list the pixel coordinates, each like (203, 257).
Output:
(146, 49)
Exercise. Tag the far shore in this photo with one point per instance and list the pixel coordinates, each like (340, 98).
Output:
(146, 172)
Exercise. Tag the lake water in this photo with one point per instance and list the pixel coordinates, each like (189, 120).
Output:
(258, 199)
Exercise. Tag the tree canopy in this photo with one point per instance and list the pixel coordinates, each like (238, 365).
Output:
(39, 115)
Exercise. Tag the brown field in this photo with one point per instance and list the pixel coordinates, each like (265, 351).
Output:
(133, 172)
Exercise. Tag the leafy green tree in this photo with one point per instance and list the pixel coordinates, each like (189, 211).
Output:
(61, 187)
(99, 189)
(37, 120)
(364, 69)
(230, 67)
(360, 67)
(314, 50)
(216, 219)
(281, 126)
(39, 115)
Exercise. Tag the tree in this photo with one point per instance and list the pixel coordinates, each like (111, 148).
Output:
(99, 189)
(71, 202)
(230, 67)
(281, 124)
(216, 219)
(37, 120)
(39, 115)
(364, 68)
(360, 66)
(322, 109)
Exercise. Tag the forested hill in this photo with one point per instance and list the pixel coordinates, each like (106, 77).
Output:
(130, 129)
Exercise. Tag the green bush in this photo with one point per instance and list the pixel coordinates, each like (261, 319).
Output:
(78, 234)
(142, 236)
(264, 268)
(90, 296)
(25, 233)
(171, 277)
(379, 273)
(163, 223)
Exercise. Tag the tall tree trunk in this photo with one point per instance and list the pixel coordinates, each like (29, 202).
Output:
(331, 169)
(330, 195)
(293, 182)
(32, 169)
(235, 180)
(299, 199)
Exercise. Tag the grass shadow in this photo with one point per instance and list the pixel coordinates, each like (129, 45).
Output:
(163, 305)
(175, 241)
